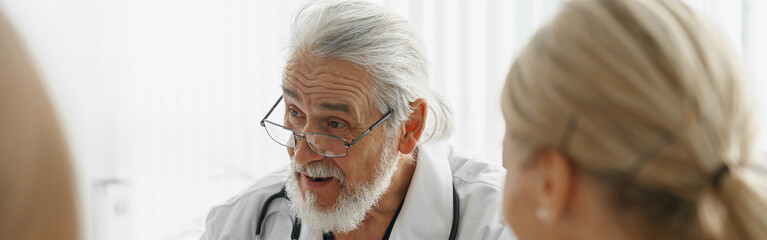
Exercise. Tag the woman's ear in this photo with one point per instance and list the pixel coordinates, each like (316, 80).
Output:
(413, 128)
(557, 184)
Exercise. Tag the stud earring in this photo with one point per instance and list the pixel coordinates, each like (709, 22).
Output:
(542, 213)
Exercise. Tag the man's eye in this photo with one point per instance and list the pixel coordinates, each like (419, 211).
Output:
(294, 113)
(336, 124)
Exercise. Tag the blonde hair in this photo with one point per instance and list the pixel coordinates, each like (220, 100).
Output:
(36, 188)
(646, 96)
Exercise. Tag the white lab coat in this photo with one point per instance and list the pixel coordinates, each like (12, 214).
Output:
(427, 212)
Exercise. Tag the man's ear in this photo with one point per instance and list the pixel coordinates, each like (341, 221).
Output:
(558, 177)
(414, 126)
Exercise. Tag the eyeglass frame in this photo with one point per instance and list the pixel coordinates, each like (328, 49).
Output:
(347, 145)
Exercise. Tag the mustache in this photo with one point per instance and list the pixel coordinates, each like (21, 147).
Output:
(318, 169)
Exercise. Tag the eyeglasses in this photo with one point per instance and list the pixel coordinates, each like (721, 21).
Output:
(322, 144)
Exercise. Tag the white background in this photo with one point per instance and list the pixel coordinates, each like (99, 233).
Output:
(160, 99)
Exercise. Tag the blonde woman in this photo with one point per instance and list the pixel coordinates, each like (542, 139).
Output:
(36, 188)
(629, 119)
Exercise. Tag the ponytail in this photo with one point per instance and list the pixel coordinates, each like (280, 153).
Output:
(743, 192)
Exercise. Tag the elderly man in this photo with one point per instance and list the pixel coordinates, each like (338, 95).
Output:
(356, 96)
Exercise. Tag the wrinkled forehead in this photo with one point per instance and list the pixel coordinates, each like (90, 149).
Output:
(328, 84)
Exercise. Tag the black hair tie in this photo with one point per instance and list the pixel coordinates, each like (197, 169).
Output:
(719, 175)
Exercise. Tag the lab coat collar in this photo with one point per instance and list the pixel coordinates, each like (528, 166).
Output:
(427, 212)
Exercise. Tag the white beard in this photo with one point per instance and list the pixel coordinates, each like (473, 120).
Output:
(353, 202)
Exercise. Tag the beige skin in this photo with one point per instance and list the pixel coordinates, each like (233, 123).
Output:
(576, 208)
(316, 93)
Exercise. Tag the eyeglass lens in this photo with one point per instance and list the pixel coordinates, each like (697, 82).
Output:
(321, 144)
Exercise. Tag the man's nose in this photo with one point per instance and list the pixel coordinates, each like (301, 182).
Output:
(303, 153)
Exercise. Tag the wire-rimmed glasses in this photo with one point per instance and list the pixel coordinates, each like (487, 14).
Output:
(322, 144)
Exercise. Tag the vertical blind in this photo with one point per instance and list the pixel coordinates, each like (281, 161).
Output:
(161, 99)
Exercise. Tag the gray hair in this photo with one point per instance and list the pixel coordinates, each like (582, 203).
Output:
(383, 44)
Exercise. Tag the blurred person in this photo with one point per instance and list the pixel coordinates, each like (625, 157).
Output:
(630, 119)
(358, 112)
(37, 197)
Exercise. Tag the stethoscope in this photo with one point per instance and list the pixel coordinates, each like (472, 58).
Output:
(297, 224)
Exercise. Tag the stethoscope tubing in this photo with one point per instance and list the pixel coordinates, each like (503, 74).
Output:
(297, 224)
